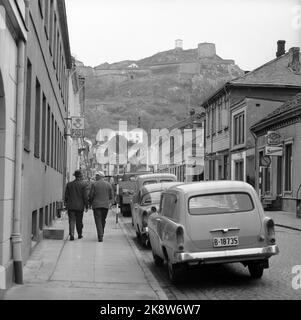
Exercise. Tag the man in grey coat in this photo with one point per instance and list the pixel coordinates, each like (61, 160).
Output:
(76, 201)
(101, 195)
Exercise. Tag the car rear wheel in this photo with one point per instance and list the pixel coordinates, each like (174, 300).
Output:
(158, 261)
(174, 272)
(127, 210)
(145, 240)
(256, 270)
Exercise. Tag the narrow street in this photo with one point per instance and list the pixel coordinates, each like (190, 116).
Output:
(232, 282)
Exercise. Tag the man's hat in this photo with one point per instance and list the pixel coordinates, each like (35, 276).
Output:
(78, 174)
(100, 174)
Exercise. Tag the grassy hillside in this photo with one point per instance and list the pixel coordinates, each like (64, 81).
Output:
(160, 99)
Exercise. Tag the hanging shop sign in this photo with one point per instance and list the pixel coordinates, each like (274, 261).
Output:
(274, 151)
(273, 138)
(77, 127)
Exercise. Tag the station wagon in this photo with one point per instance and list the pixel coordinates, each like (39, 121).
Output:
(212, 223)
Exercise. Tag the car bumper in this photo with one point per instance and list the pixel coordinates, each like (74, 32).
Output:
(225, 256)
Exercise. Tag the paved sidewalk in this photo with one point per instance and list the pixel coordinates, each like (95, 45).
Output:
(285, 219)
(86, 269)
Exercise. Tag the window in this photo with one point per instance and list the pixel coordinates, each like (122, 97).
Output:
(52, 141)
(226, 166)
(239, 170)
(49, 215)
(54, 40)
(212, 170)
(51, 32)
(41, 2)
(279, 175)
(214, 120)
(37, 120)
(288, 167)
(221, 203)
(239, 129)
(151, 198)
(219, 128)
(28, 107)
(48, 135)
(55, 146)
(209, 123)
(44, 128)
(46, 16)
(34, 226)
(168, 206)
(149, 182)
(41, 219)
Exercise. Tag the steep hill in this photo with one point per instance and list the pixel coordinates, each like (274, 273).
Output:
(160, 90)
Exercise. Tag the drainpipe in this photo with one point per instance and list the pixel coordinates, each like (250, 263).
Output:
(256, 162)
(16, 236)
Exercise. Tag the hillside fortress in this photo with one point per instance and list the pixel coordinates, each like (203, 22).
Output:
(177, 61)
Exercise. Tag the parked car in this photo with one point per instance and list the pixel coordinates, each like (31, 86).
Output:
(146, 179)
(212, 223)
(149, 201)
(127, 189)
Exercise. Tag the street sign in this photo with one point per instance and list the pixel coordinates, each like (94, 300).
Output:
(274, 151)
(78, 123)
(77, 133)
(273, 138)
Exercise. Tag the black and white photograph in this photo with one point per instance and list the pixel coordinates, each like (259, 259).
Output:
(150, 154)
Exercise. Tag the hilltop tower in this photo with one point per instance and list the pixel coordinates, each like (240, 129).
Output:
(206, 50)
(179, 44)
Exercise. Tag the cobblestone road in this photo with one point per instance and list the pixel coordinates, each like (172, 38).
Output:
(232, 282)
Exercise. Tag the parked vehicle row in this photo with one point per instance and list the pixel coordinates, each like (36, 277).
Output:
(188, 225)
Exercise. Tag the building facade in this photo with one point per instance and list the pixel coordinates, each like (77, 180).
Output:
(185, 153)
(229, 148)
(13, 38)
(46, 110)
(76, 107)
(278, 156)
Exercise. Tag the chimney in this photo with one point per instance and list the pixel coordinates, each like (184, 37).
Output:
(294, 62)
(281, 48)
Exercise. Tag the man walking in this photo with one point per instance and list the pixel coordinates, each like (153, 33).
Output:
(101, 195)
(76, 201)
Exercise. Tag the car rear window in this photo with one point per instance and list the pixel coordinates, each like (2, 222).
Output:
(151, 198)
(220, 203)
(145, 183)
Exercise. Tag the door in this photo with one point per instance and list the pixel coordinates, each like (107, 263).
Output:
(279, 175)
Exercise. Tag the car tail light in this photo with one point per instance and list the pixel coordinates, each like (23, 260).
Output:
(180, 238)
(270, 228)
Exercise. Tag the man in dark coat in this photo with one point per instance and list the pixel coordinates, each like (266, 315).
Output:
(100, 198)
(76, 201)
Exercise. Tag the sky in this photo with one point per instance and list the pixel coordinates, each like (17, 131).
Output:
(244, 30)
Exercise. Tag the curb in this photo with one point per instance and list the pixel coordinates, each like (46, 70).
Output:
(154, 284)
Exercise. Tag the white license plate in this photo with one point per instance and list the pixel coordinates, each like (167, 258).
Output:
(225, 242)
